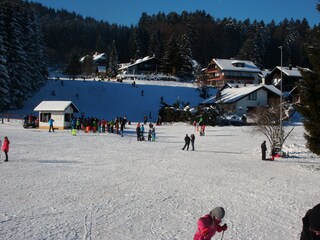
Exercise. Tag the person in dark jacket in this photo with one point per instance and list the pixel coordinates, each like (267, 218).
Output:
(264, 150)
(186, 142)
(138, 132)
(192, 141)
(311, 224)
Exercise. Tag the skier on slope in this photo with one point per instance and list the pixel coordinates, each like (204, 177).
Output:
(209, 224)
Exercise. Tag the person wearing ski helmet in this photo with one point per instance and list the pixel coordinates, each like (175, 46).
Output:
(311, 224)
(209, 224)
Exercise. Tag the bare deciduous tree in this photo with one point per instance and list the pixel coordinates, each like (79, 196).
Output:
(268, 123)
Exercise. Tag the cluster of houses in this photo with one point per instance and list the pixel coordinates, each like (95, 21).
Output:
(218, 73)
(242, 86)
(147, 66)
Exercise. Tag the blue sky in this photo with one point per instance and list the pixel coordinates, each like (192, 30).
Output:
(126, 12)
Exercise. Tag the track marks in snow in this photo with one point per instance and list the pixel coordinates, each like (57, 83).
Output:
(88, 221)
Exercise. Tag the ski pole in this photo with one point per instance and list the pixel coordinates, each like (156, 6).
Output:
(222, 235)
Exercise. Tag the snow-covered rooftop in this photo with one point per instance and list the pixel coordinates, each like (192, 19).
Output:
(99, 56)
(236, 65)
(95, 57)
(230, 95)
(55, 106)
(140, 60)
(290, 71)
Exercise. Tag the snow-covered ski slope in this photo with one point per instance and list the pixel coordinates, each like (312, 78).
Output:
(103, 186)
(104, 99)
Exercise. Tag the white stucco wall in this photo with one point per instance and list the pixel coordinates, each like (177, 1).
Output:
(244, 103)
(59, 119)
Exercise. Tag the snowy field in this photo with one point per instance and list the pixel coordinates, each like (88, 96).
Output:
(103, 186)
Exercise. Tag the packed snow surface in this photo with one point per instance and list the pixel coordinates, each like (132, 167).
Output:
(104, 186)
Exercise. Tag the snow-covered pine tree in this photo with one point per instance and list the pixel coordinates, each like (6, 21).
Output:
(254, 47)
(186, 71)
(36, 50)
(138, 44)
(4, 76)
(20, 64)
(113, 61)
(155, 46)
(309, 105)
(17, 59)
(87, 65)
(74, 65)
(31, 50)
(171, 61)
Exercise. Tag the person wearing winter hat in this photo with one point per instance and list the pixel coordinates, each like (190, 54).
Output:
(311, 224)
(209, 224)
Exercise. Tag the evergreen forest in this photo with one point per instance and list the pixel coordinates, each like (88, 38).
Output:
(33, 36)
(23, 67)
(206, 37)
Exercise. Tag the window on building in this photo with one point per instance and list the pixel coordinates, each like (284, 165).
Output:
(67, 117)
(253, 96)
(238, 64)
(44, 117)
(212, 67)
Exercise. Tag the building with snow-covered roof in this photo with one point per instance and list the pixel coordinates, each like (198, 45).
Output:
(243, 100)
(290, 77)
(99, 60)
(146, 65)
(222, 71)
(60, 111)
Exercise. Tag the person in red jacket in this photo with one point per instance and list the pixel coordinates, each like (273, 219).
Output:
(209, 224)
(5, 147)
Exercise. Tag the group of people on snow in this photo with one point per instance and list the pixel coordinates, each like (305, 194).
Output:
(116, 126)
(188, 140)
(94, 125)
(140, 132)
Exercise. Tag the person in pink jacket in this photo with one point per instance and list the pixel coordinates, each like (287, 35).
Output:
(209, 224)
(5, 147)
